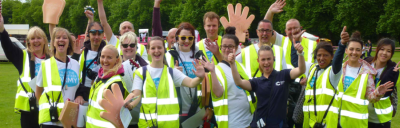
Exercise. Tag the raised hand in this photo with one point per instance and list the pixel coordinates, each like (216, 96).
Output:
(232, 57)
(206, 64)
(52, 10)
(396, 68)
(157, 3)
(298, 47)
(112, 103)
(213, 47)
(1, 23)
(199, 69)
(298, 35)
(77, 47)
(89, 14)
(180, 68)
(238, 20)
(382, 89)
(344, 36)
(277, 7)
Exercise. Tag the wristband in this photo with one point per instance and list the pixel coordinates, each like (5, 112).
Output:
(300, 54)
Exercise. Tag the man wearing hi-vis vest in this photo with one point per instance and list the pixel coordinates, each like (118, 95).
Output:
(249, 54)
(211, 45)
(294, 31)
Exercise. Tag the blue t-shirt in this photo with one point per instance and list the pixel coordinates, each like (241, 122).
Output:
(187, 69)
(272, 105)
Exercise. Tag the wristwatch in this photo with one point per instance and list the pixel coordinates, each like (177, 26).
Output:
(300, 54)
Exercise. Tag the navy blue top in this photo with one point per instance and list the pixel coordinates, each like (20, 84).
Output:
(272, 103)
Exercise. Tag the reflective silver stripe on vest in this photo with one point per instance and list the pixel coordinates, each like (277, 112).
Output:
(171, 117)
(140, 48)
(50, 87)
(221, 117)
(384, 111)
(220, 103)
(278, 59)
(119, 46)
(354, 114)
(160, 101)
(249, 98)
(320, 91)
(100, 93)
(168, 59)
(199, 93)
(26, 69)
(47, 106)
(357, 99)
(95, 104)
(320, 108)
(285, 45)
(99, 123)
(310, 50)
(23, 94)
(248, 67)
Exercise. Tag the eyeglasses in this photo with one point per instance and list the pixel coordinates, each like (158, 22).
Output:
(265, 30)
(191, 38)
(132, 45)
(227, 47)
(96, 31)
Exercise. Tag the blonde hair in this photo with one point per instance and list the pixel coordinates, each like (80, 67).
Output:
(117, 65)
(35, 31)
(55, 31)
(128, 36)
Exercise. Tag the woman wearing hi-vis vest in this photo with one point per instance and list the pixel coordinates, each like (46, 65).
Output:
(380, 113)
(271, 88)
(57, 79)
(181, 56)
(321, 83)
(154, 85)
(356, 87)
(233, 106)
(111, 72)
(27, 63)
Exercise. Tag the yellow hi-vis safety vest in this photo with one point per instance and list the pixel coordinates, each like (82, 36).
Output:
(250, 56)
(202, 47)
(94, 109)
(52, 87)
(383, 108)
(22, 98)
(352, 104)
(159, 106)
(221, 104)
(324, 93)
(308, 45)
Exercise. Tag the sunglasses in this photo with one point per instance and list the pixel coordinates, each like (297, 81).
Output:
(191, 38)
(132, 45)
(96, 31)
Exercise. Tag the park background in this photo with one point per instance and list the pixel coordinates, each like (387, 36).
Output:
(375, 19)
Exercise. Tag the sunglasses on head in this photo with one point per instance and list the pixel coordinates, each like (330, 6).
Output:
(96, 31)
(191, 38)
(132, 45)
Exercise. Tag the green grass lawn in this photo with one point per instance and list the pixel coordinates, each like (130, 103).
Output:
(9, 76)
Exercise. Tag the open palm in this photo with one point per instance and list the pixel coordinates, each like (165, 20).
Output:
(199, 69)
(277, 7)
(239, 20)
(112, 104)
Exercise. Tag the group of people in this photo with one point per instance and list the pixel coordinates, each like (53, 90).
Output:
(253, 85)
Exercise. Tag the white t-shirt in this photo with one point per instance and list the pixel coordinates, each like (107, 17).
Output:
(38, 63)
(333, 78)
(95, 66)
(71, 85)
(128, 79)
(114, 40)
(239, 114)
(240, 59)
(187, 93)
(155, 74)
(372, 116)
(350, 76)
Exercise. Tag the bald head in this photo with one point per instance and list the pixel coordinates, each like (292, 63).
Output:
(292, 27)
(171, 36)
(126, 26)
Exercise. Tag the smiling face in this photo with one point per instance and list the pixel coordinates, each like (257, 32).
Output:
(354, 51)
(61, 42)
(185, 45)
(211, 27)
(129, 51)
(324, 58)
(108, 59)
(126, 27)
(156, 51)
(95, 38)
(227, 47)
(36, 43)
(385, 53)
(264, 32)
(292, 27)
(266, 61)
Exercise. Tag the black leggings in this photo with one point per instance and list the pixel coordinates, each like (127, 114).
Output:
(29, 119)
(380, 125)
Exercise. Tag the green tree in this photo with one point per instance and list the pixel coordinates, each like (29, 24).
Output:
(390, 20)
